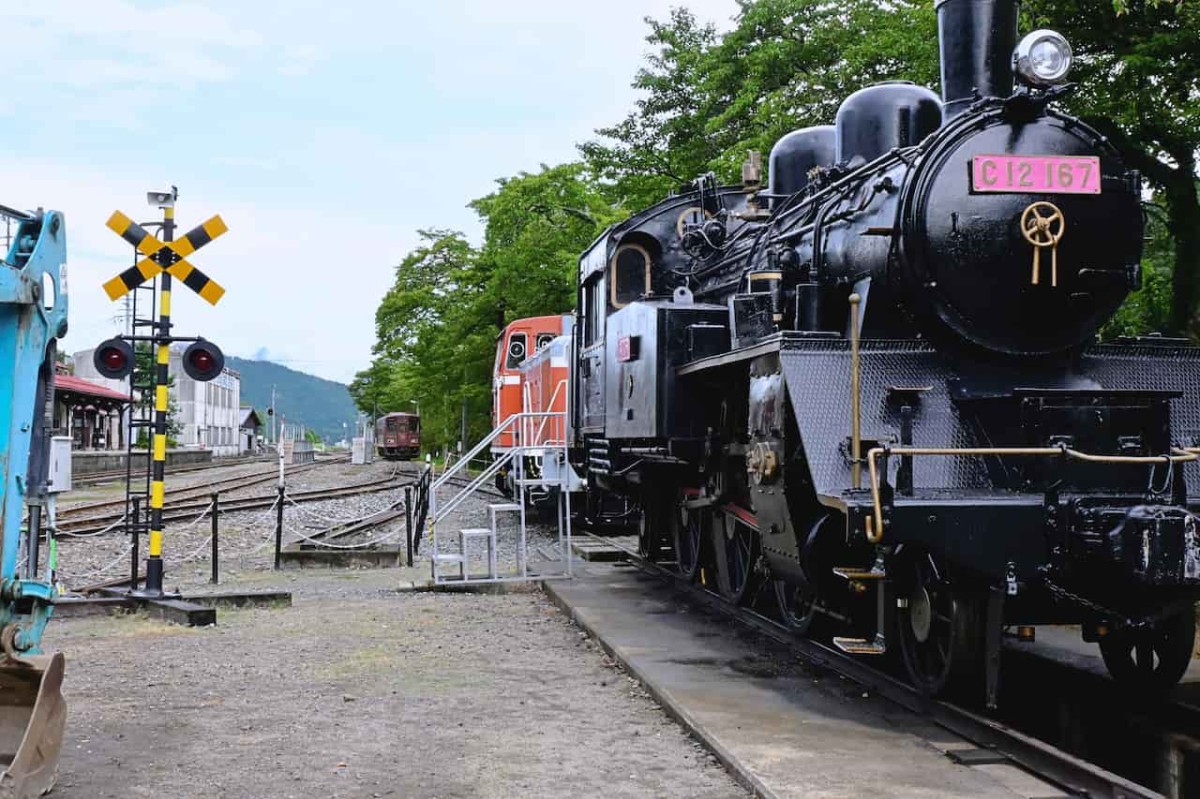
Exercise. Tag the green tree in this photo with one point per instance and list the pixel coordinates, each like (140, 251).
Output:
(707, 99)
(436, 327)
(536, 225)
(1138, 76)
(663, 142)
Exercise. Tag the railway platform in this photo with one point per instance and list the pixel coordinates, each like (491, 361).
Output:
(782, 728)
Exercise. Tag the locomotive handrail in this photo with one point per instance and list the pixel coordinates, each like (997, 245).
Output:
(875, 521)
(542, 427)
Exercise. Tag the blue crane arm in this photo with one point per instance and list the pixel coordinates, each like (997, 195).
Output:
(33, 315)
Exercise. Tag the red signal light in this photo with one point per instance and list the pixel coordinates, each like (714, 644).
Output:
(203, 361)
(113, 359)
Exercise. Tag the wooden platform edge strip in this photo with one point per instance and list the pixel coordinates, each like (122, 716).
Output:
(738, 770)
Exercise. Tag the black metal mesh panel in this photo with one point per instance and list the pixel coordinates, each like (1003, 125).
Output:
(817, 372)
(818, 380)
(1160, 368)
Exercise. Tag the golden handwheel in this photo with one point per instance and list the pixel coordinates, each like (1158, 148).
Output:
(1042, 225)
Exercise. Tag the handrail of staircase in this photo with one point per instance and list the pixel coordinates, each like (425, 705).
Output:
(437, 512)
(470, 488)
(475, 450)
(542, 427)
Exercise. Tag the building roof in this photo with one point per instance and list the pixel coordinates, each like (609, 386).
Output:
(250, 418)
(77, 385)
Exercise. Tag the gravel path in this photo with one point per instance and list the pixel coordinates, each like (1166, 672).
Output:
(361, 691)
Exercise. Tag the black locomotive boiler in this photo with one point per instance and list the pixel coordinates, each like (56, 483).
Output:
(871, 387)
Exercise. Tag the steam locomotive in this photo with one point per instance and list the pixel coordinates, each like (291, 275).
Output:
(870, 390)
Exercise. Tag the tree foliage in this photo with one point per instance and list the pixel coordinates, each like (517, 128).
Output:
(436, 327)
(1138, 75)
(708, 97)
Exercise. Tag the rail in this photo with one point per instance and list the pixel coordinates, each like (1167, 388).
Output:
(875, 521)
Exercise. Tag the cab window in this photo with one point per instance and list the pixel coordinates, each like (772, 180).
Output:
(542, 340)
(516, 350)
(629, 274)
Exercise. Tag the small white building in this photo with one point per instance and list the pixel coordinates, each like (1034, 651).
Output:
(209, 414)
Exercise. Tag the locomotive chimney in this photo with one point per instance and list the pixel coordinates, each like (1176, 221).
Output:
(976, 39)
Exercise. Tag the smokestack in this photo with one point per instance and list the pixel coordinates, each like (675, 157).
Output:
(976, 40)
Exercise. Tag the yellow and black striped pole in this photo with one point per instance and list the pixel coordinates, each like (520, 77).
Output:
(162, 360)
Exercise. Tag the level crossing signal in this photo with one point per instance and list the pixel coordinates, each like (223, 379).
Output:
(165, 256)
(113, 359)
(203, 361)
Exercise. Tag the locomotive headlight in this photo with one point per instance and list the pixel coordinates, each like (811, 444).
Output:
(1043, 58)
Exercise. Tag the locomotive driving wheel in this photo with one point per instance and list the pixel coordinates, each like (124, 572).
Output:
(797, 605)
(741, 580)
(939, 628)
(691, 528)
(1152, 659)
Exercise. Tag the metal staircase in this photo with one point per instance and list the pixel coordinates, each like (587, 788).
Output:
(494, 554)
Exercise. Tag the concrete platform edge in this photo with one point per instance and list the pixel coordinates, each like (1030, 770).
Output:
(738, 770)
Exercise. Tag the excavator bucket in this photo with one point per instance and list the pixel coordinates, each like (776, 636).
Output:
(33, 714)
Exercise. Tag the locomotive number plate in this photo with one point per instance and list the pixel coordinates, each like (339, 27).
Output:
(1036, 174)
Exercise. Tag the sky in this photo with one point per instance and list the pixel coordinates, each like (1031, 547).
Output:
(325, 135)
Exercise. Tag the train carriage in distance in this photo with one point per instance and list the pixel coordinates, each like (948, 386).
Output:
(398, 436)
(871, 390)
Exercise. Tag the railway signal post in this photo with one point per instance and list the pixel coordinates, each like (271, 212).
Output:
(163, 259)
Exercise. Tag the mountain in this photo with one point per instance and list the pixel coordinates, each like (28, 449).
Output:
(318, 404)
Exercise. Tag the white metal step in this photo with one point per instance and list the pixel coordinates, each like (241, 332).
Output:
(854, 573)
(498, 507)
(860, 646)
(475, 532)
(448, 557)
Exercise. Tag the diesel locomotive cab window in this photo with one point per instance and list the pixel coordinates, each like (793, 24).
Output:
(542, 340)
(516, 350)
(630, 274)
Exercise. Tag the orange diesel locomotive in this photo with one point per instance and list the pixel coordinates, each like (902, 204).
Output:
(516, 343)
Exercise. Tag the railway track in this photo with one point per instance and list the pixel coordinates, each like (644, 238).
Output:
(119, 475)
(371, 521)
(1072, 775)
(200, 489)
(183, 511)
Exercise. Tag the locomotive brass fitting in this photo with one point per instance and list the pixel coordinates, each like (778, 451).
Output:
(762, 463)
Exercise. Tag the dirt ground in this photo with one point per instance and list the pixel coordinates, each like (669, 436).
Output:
(362, 691)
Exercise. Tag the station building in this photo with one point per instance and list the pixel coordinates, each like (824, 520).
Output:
(93, 415)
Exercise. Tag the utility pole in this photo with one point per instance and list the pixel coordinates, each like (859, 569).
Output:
(273, 414)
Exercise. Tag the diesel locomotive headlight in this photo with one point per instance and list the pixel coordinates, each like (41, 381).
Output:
(1043, 58)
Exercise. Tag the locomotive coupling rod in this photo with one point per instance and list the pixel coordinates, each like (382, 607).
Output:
(875, 521)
